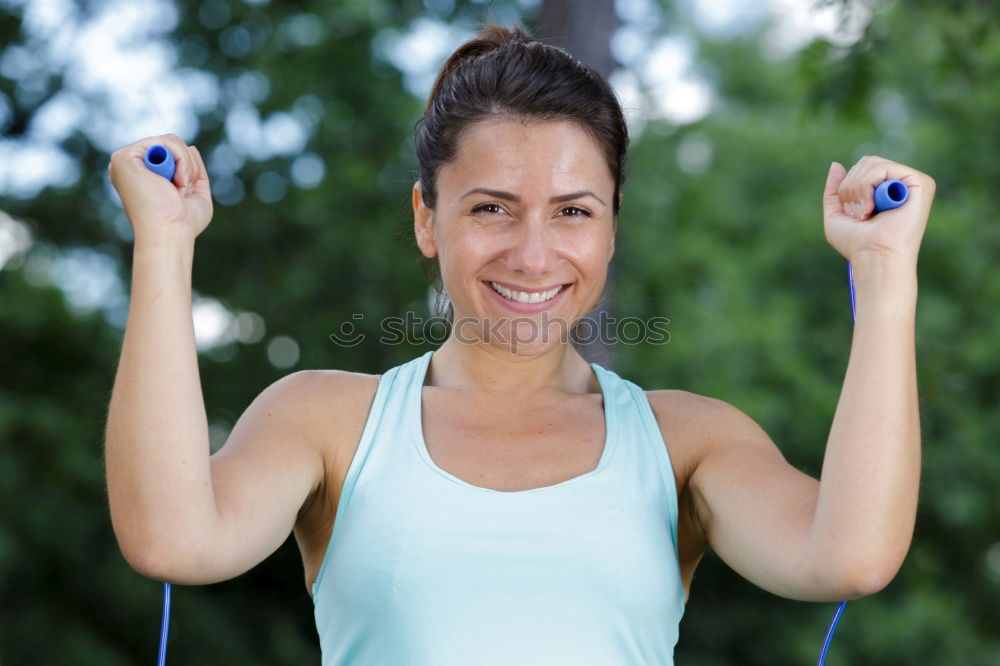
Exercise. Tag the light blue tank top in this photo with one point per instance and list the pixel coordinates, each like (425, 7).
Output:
(425, 569)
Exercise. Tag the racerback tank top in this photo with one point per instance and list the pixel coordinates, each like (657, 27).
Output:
(425, 569)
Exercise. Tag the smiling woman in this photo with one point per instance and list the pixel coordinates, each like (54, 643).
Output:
(538, 239)
(474, 518)
(504, 75)
(499, 500)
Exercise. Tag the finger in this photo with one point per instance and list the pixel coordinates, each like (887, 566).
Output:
(201, 184)
(192, 168)
(857, 190)
(831, 200)
(201, 173)
(876, 171)
(848, 190)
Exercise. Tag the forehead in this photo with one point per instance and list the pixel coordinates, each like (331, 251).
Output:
(526, 155)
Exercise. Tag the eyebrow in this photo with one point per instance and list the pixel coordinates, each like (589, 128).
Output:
(500, 194)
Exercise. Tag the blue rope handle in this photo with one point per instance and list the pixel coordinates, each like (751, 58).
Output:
(889, 194)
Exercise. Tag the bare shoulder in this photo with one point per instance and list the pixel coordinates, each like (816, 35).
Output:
(683, 418)
(333, 406)
(682, 407)
(313, 411)
(686, 422)
(697, 428)
(310, 401)
(700, 423)
(320, 394)
(712, 437)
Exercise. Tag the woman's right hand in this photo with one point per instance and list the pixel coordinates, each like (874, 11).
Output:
(154, 204)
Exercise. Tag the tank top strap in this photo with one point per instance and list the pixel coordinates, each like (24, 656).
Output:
(647, 448)
(388, 392)
(656, 447)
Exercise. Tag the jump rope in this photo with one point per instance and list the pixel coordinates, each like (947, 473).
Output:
(889, 194)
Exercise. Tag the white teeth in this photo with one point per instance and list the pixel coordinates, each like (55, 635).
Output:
(522, 297)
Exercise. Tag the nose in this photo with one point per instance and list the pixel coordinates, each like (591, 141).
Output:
(533, 252)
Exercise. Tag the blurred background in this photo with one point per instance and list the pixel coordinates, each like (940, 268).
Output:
(304, 112)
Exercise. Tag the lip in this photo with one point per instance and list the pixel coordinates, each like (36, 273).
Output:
(527, 308)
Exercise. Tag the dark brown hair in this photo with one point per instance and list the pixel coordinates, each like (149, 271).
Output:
(504, 73)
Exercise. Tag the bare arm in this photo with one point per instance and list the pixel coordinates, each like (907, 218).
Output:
(846, 535)
(867, 502)
(156, 444)
(179, 514)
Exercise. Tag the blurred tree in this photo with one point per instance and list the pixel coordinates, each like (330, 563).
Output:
(723, 217)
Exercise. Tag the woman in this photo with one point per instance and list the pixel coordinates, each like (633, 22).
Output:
(500, 500)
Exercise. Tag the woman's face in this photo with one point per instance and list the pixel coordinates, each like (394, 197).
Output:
(526, 207)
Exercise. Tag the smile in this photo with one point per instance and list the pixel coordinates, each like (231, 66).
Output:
(526, 297)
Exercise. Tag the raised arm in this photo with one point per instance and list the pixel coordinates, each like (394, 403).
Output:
(867, 504)
(179, 514)
(846, 535)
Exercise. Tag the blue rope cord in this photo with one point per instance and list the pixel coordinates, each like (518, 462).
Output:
(829, 633)
(842, 604)
(165, 625)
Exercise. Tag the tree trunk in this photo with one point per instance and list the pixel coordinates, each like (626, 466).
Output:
(584, 28)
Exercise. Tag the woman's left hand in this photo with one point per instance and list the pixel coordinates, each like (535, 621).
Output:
(849, 203)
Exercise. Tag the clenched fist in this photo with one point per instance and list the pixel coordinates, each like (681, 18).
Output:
(849, 200)
(154, 204)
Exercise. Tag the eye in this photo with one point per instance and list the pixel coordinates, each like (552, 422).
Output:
(580, 211)
(483, 207)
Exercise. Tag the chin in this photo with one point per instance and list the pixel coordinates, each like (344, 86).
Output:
(526, 335)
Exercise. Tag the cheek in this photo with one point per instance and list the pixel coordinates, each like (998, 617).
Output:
(469, 245)
(459, 256)
(589, 247)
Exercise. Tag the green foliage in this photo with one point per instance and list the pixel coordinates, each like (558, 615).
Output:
(734, 254)
(720, 231)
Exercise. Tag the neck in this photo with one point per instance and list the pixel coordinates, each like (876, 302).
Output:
(491, 368)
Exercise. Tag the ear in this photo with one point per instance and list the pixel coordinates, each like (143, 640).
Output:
(423, 223)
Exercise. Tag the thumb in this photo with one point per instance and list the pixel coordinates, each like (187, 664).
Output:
(831, 200)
